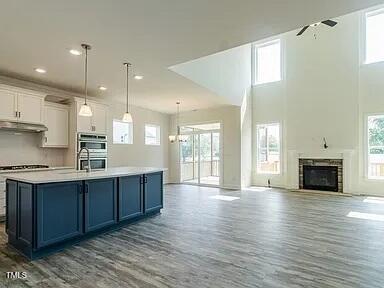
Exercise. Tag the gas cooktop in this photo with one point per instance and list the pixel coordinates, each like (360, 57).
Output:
(22, 167)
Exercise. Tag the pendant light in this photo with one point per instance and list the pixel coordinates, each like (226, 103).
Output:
(178, 136)
(127, 117)
(172, 138)
(85, 109)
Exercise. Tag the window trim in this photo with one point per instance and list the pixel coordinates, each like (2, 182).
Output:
(118, 143)
(254, 60)
(363, 32)
(158, 128)
(366, 148)
(258, 172)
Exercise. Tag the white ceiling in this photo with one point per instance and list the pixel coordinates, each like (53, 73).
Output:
(152, 34)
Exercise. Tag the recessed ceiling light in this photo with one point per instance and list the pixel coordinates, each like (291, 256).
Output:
(40, 70)
(75, 52)
(315, 24)
(102, 88)
(138, 77)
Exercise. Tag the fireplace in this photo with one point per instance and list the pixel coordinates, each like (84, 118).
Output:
(320, 178)
(321, 174)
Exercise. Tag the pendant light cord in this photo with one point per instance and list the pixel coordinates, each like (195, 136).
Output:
(128, 104)
(127, 88)
(177, 119)
(86, 76)
(86, 47)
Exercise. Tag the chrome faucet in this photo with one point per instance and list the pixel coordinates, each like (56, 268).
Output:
(88, 167)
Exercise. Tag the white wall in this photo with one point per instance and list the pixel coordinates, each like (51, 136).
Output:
(325, 92)
(139, 154)
(246, 140)
(229, 117)
(24, 148)
(227, 73)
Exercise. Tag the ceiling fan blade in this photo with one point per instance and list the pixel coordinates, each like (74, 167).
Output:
(302, 30)
(330, 23)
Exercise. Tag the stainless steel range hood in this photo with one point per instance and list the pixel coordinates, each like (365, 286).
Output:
(22, 127)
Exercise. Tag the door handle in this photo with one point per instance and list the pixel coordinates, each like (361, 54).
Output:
(16, 114)
(86, 188)
(19, 114)
(145, 179)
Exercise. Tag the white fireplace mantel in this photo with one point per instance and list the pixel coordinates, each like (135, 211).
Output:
(295, 155)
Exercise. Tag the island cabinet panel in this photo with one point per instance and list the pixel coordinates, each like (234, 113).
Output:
(11, 208)
(25, 213)
(100, 203)
(153, 192)
(130, 197)
(59, 209)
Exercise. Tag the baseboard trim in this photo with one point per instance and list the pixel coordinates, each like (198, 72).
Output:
(207, 185)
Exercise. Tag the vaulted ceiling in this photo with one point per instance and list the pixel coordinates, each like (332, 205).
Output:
(151, 34)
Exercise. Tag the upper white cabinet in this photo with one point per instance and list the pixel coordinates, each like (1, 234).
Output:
(8, 107)
(97, 123)
(56, 118)
(83, 123)
(21, 105)
(30, 108)
(99, 118)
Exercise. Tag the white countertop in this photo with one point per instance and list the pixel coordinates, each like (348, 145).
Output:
(51, 176)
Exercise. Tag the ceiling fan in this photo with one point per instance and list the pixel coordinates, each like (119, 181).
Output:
(329, 23)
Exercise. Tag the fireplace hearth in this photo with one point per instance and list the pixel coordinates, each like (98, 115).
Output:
(321, 174)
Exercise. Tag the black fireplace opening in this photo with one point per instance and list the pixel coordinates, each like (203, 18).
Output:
(323, 178)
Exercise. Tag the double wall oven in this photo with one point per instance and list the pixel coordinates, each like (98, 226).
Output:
(98, 151)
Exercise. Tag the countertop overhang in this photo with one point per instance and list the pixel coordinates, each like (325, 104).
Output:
(53, 176)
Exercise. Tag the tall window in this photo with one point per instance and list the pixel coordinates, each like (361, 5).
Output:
(122, 132)
(374, 36)
(152, 134)
(376, 147)
(268, 149)
(267, 64)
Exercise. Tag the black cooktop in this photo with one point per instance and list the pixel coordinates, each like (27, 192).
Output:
(22, 167)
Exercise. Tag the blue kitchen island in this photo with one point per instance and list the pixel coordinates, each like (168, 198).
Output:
(47, 211)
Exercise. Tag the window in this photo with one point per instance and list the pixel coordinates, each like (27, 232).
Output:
(268, 149)
(152, 134)
(374, 36)
(376, 147)
(267, 66)
(122, 132)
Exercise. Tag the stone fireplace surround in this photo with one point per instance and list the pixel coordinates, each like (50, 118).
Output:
(322, 162)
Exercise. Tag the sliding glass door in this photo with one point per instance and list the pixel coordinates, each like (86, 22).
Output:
(189, 158)
(200, 154)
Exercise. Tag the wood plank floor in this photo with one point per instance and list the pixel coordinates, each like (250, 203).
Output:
(267, 238)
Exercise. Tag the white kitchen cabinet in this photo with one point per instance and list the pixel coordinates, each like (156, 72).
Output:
(99, 119)
(97, 123)
(83, 123)
(56, 118)
(21, 105)
(8, 107)
(30, 108)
